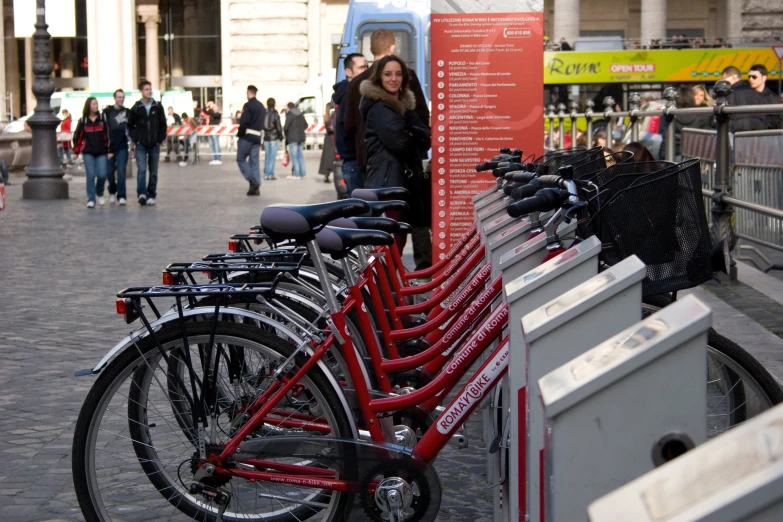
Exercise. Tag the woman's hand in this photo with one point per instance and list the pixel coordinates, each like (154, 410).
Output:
(110, 155)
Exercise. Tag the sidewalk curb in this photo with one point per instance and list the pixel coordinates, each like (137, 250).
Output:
(761, 282)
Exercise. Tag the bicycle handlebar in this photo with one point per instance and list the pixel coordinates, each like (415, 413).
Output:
(522, 177)
(544, 201)
(526, 190)
(552, 181)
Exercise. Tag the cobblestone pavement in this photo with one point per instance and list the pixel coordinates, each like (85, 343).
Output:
(60, 267)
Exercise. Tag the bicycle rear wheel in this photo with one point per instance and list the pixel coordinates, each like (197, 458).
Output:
(738, 387)
(135, 445)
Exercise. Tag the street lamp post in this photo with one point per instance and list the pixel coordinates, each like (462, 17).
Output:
(44, 175)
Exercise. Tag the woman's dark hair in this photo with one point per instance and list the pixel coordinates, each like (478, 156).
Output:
(87, 103)
(640, 152)
(377, 72)
(270, 103)
(685, 97)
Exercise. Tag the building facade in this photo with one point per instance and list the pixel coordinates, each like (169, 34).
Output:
(289, 48)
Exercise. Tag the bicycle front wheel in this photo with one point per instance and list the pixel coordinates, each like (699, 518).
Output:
(136, 445)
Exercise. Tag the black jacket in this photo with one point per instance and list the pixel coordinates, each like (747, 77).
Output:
(295, 127)
(91, 137)
(117, 120)
(273, 130)
(147, 129)
(742, 94)
(214, 117)
(352, 119)
(343, 141)
(395, 138)
(774, 121)
(252, 118)
(693, 121)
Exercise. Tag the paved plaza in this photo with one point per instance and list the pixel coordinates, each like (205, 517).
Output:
(61, 265)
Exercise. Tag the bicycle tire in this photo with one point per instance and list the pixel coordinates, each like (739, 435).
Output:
(739, 365)
(125, 366)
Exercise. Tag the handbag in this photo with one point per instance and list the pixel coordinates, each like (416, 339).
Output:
(286, 159)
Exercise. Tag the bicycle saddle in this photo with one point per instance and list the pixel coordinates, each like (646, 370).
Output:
(299, 221)
(379, 207)
(381, 194)
(338, 242)
(376, 223)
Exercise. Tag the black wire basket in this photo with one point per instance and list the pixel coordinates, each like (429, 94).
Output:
(658, 216)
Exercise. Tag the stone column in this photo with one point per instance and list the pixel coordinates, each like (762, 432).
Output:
(189, 13)
(733, 20)
(653, 20)
(28, 75)
(149, 16)
(11, 59)
(3, 89)
(566, 21)
(314, 38)
(177, 48)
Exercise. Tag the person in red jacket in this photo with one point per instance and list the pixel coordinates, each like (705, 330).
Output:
(64, 147)
(91, 139)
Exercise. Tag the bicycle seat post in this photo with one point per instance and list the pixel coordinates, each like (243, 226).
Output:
(323, 275)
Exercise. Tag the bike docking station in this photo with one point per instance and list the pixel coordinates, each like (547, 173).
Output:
(517, 233)
(523, 295)
(603, 426)
(735, 477)
(529, 255)
(492, 197)
(495, 210)
(552, 335)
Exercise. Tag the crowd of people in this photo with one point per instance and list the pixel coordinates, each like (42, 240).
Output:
(653, 130)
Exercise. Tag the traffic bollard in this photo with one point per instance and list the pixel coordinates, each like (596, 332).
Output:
(530, 254)
(554, 334)
(523, 295)
(735, 477)
(631, 403)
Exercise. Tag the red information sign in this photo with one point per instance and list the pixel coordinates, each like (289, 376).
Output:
(487, 93)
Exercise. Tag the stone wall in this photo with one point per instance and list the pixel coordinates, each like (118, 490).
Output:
(265, 43)
(762, 18)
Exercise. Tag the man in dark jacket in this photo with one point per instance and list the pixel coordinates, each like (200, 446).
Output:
(757, 79)
(273, 135)
(742, 94)
(382, 44)
(147, 129)
(213, 118)
(345, 143)
(116, 117)
(251, 124)
(294, 129)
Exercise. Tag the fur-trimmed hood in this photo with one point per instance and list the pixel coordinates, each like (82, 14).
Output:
(406, 101)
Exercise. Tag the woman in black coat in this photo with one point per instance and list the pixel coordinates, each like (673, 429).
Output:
(395, 137)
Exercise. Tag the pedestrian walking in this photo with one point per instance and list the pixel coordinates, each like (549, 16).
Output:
(344, 142)
(91, 139)
(190, 139)
(147, 129)
(213, 114)
(295, 127)
(116, 118)
(757, 79)
(172, 142)
(273, 135)
(251, 124)
(395, 137)
(64, 147)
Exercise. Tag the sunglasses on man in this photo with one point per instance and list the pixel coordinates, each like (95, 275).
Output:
(754, 76)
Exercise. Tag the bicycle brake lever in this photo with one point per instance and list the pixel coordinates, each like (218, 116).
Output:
(573, 208)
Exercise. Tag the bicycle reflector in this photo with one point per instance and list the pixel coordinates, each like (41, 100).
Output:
(233, 246)
(168, 279)
(127, 308)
